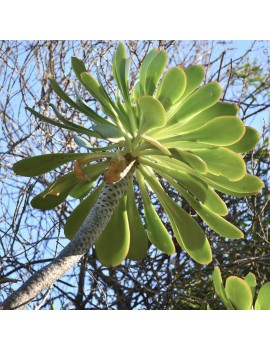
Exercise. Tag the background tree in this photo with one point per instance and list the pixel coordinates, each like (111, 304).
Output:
(29, 238)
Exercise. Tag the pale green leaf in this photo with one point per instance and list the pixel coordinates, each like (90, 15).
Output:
(219, 288)
(263, 299)
(239, 293)
(153, 114)
(78, 215)
(171, 87)
(217, 110)
(154, 71)
(248, 141)
(113, 244)
(251, 280)
(156, 230)
(221, 161)
(138, 237)
(202, 99)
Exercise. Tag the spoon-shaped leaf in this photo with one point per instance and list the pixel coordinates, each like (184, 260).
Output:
(113, 244)
(156, 144)
(217, 110)
(74, 127)
(82, 142)
(120, 70)
(263, 299)
(91, 114)
(67, 185)
(248, 185)
(187, 231)
(172, 87)
(138, 237)
(77, 217)
(82, 108)
(97, 91)
(156, 231)
(251, 280)
(189, 158)
(78, 67)
(212, 133)
(55, 193)
(153, 114)
(239, 293)
(144, 67)
(111, 133)
(219, 288)
(202, 99)
(248, 141)
(196, 186)
(41, 164)
(154, 71)
(195, 76)
(221, 161)
(213, 220)
(66, 121)
(80, 190)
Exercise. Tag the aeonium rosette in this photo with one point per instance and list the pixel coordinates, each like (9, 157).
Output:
(176, 132)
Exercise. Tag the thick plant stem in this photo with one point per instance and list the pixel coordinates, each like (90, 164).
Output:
(86, 236)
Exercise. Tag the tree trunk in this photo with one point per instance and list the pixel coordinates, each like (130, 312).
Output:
(90, 230)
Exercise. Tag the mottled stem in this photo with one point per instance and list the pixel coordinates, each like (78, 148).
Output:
(90, 230)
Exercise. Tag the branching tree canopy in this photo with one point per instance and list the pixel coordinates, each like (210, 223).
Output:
(149, 146)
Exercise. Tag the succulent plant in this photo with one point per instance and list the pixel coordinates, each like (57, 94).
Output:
(173, 130)
(239, 294)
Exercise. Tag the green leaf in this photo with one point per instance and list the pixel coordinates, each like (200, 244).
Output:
(195, 76)
(37, 165)
(77, 217)
(217, 110)
(154, 71)
(78, 67)
(82, 108)
(196, 186)
(94, 170)
(144, 67)
(220, 225)
(138, 237)
(113, 244)
(75, 128)
(137, 91)
(64, 119)
(187, 231)
(239, 293)
(156, 144)
(172, 87)
(156, 231)
(248, 141)
(220, 131)
(221, 161)
(55, 193)
(82, 142)
(97, 91)
(251, 280)
(111, 133)
(190, 159)
(153, 114)
(81, 189)
(263, 299)
(210, 217)
(219, 288)
(248, 185)
(91, 114)
(202, 99)
(120, 70)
